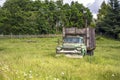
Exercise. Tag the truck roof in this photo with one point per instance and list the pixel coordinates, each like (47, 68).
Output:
(75, 36)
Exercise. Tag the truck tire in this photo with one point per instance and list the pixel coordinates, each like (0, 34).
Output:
(90, 52)
(83, 52)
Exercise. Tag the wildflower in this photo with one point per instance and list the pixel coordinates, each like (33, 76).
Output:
(16, 72)
(56, 79)
(62, 73)
(113, 75)
(30, 71)
(30, 76)
(25, 74)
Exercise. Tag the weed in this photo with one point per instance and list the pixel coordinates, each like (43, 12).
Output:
(35, 59)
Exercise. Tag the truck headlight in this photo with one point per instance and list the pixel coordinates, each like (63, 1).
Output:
(78, 49)
(59, 48)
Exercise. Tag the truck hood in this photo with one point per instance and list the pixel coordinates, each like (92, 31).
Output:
(71, 45)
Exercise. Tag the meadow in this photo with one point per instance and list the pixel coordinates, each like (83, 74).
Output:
(35, 59)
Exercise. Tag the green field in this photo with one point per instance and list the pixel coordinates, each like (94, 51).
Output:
(35, 59)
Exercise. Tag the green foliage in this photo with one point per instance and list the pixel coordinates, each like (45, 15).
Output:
(103, 11)
(109, 19)
(41, 17)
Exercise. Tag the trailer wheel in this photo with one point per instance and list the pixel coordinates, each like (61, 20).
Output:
(90, 52)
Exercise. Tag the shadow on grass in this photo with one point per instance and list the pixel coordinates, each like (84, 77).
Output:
(115, 47)
(109, 75)
(112, 57)
(92, 59)
(2, 49)
(55, 55)
(52, 54)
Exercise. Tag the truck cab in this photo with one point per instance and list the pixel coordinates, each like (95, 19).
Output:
(72, 45)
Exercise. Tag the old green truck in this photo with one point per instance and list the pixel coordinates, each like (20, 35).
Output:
(77, 41)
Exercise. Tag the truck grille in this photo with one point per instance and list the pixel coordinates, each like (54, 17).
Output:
(68, 49)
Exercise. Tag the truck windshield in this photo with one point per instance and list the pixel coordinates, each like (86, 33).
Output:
(72, 40)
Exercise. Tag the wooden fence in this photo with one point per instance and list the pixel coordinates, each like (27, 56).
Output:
(30, 36)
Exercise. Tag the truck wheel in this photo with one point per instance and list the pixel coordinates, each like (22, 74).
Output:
(83, 52)
(91, 53)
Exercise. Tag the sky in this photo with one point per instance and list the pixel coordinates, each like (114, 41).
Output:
(84, 2)
(93, 5)
(1, 2)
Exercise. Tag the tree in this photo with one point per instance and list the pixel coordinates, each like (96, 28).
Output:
(41, 17)
(75, 15)
(103, 11)
(110, 24)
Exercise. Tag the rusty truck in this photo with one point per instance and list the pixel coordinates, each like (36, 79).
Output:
(77, 41)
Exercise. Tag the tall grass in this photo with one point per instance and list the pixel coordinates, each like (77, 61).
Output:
(35, 59)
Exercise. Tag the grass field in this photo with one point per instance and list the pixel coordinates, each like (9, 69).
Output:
(34, 59)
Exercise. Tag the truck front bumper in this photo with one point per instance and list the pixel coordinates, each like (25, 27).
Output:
(69, 51)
